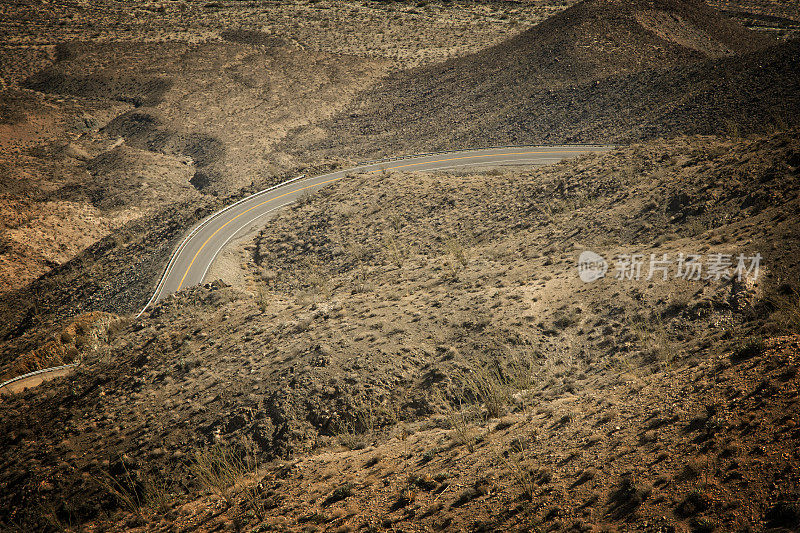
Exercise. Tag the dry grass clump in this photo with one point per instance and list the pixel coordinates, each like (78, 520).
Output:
(495, 385)
(786, 304)
(518, 461)
(747, 348)
(462, 423)
(218, 469)
(492, 387)
(363, 424)
(137, 493)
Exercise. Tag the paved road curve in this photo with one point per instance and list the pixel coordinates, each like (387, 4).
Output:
(193, 257)
(33, 379)
(190, 263)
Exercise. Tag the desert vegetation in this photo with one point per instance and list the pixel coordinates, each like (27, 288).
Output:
(400, 350)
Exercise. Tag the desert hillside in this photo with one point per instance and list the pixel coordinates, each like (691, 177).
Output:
(416, 318)
(402, 351)
(598, 72)
(112, 111)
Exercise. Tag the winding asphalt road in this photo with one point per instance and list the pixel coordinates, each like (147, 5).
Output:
(192, 259)
(190, 263)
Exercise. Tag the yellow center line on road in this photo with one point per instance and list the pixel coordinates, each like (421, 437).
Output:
(475, 157)
(337, 179)
(244, 213)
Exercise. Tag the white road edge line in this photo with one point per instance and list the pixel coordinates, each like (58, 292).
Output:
(365, 165)
(197, 228)
(229, 239)
(485, 164)
(36, 373)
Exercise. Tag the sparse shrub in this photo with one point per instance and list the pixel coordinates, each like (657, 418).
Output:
(492, 387)
(565, 420)
(543, 476)
(457, 250)
(587, 475)
(693, 503)
(397, 222)
(522, 367)
(466, 496)
(137, 493)
(424, 482)
(313, 518)
(351, 440)
(648, 436)
(54, 517)
(654, 339)
(254, 500)
(339, 493)
(702, 525)
(591, 500)
(304, 199)
(564, 320)
(626, 497)
(262, 300)
(460, 422)
(751, 347)
(517, 462)
(785, 305)
(373, 461)
(218, 468)
(406, 496)
(783, 514)
(355, 432)
(692, 469)
(396, 251)
(505, 423)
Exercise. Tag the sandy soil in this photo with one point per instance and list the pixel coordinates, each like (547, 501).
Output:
(416, 352)
(438, 321)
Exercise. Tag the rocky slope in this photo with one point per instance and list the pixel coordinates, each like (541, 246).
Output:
(602, 72)
(434, 305)
(198, 92)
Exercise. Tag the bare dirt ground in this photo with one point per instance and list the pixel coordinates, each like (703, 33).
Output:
(424, 348)
(599, 72)
(414, 352)
(770, 16)
(199, 92)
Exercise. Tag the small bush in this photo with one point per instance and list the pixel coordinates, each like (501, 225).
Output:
(693, 503)
(751, 347)
(424, 482)
(587, 475)
(137, 493)
(373, 461)
(786, 308)
(218, 469)
(339, 493)
(466, 496)
(783, 515)
(703, 525)
(492, 387)
(626, 498)
(519, 465)
(458, 251)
